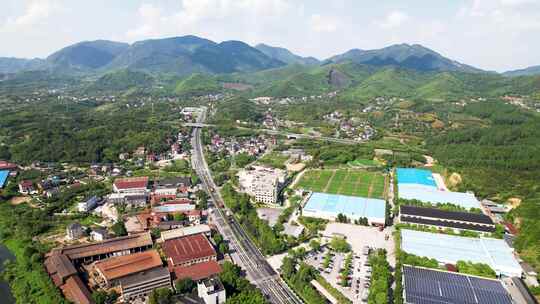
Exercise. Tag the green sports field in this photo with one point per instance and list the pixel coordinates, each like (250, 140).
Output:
(347, 182)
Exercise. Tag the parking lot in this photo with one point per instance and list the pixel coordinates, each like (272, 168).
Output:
(360, 236)
(358, 279)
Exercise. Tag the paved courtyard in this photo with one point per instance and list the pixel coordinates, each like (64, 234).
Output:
(361, 236)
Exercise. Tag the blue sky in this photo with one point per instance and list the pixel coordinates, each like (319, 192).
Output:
(490, 34)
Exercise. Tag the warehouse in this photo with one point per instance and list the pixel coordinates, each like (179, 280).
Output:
(428, 286)
(328, 206)
(441, 219)
(417, 184)
(449, 249)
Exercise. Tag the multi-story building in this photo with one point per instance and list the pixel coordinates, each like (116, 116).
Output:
(211, 291)
(136, 275)
(88, 204)
(262, 183)
(74, 231)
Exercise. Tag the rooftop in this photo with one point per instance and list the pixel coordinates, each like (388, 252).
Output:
(121, 266)
(187, 248)
(427, 286)
(131, 182)
(198, 271)
(451, 249)
(415, 176)
(3, 177)
(75, 291)
(351, 206)
(111, 245)
(143, 276)
(447, 215)
(429, 194)
(184, 231)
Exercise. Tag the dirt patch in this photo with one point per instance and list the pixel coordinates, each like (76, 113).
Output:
(454, 179)
(514, 202)
(19, 200)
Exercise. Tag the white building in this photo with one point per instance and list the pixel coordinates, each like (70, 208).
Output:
(88, 204)
(74, 231)
(211, 291)
(99, 234)
(262, 183)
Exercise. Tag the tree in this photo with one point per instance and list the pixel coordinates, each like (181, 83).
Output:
(315, 245)
(223, 248)
(288, 267)
(340, 245)
(102, 297)
(185, 285)
(119, 228)
(161, 296)
(180, 217)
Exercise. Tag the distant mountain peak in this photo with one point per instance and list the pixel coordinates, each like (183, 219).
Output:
(404, 55)
(286, 56)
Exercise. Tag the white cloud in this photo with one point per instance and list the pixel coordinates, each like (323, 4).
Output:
(394, 19)
(323, 24)
(196, 16)
(36, 12)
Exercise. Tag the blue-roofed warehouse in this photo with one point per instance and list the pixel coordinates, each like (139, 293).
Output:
(420, 185)
(3, 178)
(328, 206)
(450, 249)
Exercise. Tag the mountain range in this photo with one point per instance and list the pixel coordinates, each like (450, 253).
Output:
(187, 55)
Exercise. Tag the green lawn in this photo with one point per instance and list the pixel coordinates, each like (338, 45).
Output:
(347, 182)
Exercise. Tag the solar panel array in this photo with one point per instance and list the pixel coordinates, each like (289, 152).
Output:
(424, 286)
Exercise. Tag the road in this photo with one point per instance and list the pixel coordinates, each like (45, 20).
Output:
(245, 253)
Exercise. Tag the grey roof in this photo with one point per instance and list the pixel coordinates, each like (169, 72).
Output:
(143, 276)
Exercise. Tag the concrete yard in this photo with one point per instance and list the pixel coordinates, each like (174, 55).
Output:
(269, 214)
(360, 236)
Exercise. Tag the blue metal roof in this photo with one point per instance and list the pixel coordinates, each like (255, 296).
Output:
(352, 206)
(3, 177)
(450, 249)
(435, 196)
(415, 176)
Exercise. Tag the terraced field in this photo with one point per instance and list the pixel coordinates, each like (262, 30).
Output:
(346, 182)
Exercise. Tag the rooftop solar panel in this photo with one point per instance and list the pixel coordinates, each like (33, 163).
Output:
(426, 286)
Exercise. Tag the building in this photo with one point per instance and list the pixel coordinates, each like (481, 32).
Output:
(171, 186)
(449, 249)
(88, 205)
(27, 187)
(189, 250)
(428, 286)
(191, 256)
(132, 185)
(74, 231)
(130, 200)
(99, 234)
(135, 274)
(211, 291)
(442, 219)
(4, 165)
(418, 184)
(262, 183)
(64, 276)
(328, 206)
(3, 177)
(185, 231)
(87, 253)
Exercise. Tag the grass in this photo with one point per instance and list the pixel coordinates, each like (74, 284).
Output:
(274, 159)
(364, 163)
(346, 182)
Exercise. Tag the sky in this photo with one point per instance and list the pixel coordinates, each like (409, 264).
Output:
(495, 35)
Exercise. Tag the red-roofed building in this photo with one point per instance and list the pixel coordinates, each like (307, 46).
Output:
(137, 185)
(198, 271)
(4, 165)
(189, 250)
(75, 291)
(27, 187)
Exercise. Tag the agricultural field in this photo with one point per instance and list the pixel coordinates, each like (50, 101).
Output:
(346, 182)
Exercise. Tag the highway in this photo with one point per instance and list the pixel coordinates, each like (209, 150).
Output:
(245, 253)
